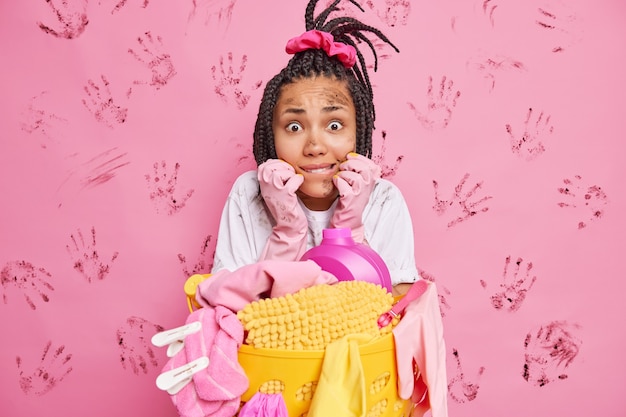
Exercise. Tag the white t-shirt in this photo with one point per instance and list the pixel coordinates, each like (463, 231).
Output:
(246, 225)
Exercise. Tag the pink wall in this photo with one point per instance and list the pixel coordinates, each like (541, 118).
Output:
(121, 137)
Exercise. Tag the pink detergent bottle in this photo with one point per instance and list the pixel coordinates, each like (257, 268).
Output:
(347, 260)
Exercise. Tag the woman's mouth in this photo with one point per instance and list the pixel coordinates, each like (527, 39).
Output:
(318, 169)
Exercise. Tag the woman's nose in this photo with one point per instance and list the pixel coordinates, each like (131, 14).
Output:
(315, 143)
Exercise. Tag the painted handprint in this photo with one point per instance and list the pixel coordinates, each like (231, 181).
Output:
(557, 19)
(71, 19)
(222, 10)
(549, 351)
(459, 389)
(460, 202)
(86, 257)
(228, 82)
(588, 198)
(99, 102)
(488, 67)
(443, 302)
(202, 265)
(53, 368)
(133, 340)
(391, 12)
(514, 286)
(37, 119)
(531, 142)
(387, 171)
(439, 106)
(30, 281)
(121, 3)
(158, 62)
(163, 189)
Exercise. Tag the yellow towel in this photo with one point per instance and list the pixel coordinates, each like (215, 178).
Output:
(341, 387)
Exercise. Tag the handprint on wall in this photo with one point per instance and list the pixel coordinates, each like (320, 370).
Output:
(460, 389)
(387, 171)
(53, 368)
(30, 281)
(549, 351)
(514, 286)
(439, 104)
(221, 10)
(391, 12)
(121, 3)
(86, 257)
(71, 19)
(460, 202)
(203, 265)
(383, 52)
(100, 103)
(99, 169)
(531, 142)
(228, 81)
(37, 119)
(442, 292)
(488, 67)
(163, 189)
(558, 21)
(489, 9)
(159, 63)
(588, 198)
(134, 342)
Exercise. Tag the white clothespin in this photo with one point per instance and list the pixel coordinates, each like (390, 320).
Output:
(175, 379)
(175, 337)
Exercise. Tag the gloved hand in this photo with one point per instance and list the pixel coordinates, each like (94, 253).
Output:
(355, 182)
(279, 182)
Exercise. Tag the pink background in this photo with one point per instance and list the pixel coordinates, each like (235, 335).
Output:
(112, 190)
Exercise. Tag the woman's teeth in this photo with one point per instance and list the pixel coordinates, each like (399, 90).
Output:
(317, 170)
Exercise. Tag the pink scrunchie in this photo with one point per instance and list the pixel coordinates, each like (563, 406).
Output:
(316, 39)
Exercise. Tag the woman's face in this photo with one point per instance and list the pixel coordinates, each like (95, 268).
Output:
(314, 127)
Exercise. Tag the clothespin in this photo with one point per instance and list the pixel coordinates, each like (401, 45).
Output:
(174, 338)
(415, 291)
(175, 379)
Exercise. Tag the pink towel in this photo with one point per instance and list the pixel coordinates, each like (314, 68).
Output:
(419, 337)
(269, 278)
(215, 391)
(264, 405)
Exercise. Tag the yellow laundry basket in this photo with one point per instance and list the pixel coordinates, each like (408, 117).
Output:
(295, 373)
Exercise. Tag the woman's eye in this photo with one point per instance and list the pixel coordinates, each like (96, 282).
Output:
(335, 125)
(294, 127)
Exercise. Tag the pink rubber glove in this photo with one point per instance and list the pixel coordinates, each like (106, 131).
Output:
(279, 182)
(355, 182)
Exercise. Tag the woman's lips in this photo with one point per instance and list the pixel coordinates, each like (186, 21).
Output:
(318, 169)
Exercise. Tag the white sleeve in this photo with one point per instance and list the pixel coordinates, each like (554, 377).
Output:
(389, 231)
(244, 226)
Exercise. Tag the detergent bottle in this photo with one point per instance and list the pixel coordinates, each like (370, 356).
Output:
(347, 260)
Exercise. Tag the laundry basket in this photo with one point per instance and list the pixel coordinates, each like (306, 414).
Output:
(295, 373)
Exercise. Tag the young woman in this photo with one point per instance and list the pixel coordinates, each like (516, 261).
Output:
(312, 144)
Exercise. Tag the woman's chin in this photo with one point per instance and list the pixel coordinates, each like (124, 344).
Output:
(322, 190)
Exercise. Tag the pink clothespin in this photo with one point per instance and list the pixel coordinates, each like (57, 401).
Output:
(417, 289)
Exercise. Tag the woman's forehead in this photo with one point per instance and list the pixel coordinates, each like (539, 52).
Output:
(329, 90)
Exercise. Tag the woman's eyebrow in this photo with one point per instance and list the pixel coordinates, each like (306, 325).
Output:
(293, 110)
(331, 108)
